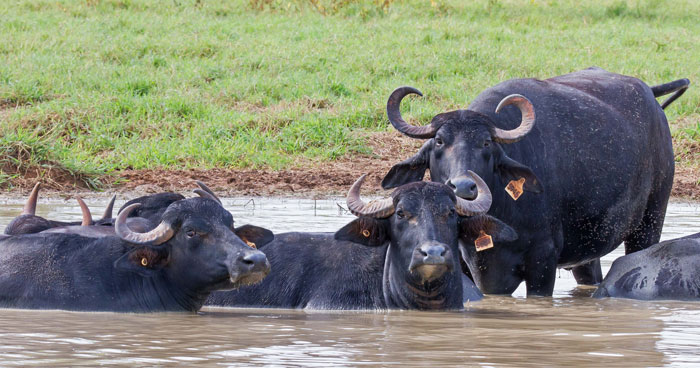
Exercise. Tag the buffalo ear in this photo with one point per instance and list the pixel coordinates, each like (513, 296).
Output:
(471, 227)
(409, 170)
(510, 169)
(144, 260)
(254, 234)
(365, 230)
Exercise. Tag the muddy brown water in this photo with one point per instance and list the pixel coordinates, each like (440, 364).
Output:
(568, 329)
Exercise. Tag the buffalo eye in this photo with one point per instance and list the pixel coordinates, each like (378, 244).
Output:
(487, 143)
(190, 233)
(400, 214)
(438, 141)
(452, 211)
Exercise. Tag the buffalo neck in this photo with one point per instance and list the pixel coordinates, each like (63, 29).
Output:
(159, 292)
(401, 291)
(162, 290)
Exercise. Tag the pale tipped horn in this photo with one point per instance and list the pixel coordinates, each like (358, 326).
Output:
(378, 208)
(480, 204)
(87, 216)
(162, 233)
(110, 207)
(206, 189)
(30, 206)
(393, 111)
(527, 122)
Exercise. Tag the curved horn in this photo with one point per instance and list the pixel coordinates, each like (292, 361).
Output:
(206, 189)
(205, 194)
(87, 216)
(393, 111)
(480, 204)
(378, 208)
(110, 207)
(159, 235)
(526, 124)
(30, 206)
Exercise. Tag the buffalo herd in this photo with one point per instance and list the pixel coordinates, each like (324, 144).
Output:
(533, 176)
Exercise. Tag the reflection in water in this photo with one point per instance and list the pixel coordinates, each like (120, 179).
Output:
(569, 328)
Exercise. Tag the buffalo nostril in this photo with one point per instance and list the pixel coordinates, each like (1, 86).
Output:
(432, 251)
(472, 188)
(253, 258)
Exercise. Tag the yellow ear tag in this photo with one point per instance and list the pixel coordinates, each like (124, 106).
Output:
(483, 242)
(251, 244)
(515, 188)
(144, 262)
(365, 233)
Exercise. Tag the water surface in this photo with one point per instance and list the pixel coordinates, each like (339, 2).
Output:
(568, 329)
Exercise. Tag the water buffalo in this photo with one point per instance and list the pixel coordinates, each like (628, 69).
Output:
(664, 271)
(594, 169)
(401, 253)
(144, 218)
(193, 251)
(668, 270)
(29, 223)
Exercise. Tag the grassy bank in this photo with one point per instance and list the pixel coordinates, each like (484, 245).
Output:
(93, 87)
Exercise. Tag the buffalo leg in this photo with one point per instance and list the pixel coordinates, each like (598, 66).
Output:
(648, 232)
(541, 271)
(589, 273)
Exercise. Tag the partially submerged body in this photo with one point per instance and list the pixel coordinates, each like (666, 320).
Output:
(668, 270)
(329, 280)
(193, 251)
(401, 253)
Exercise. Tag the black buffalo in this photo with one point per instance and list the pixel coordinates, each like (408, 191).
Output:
(193, 251)
(401, 253)
(668, 270)
(29, 223)
(595, 165)
(143, 218)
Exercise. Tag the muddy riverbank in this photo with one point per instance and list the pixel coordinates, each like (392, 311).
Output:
(307, 179)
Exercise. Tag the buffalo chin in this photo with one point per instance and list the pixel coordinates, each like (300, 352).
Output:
(430, 272)
(246, 280)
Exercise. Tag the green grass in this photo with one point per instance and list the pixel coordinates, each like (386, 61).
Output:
(102, 86)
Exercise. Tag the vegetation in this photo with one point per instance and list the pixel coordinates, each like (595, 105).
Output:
(92, 87)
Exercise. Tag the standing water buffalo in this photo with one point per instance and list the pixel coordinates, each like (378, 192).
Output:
(193, 251)
(596, 165)
(401, 253)
(668, 270)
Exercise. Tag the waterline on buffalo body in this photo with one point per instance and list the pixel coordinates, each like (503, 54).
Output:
(569, 328)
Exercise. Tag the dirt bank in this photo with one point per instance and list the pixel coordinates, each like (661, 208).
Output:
(308, 179)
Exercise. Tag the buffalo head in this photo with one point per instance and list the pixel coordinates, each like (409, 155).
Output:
(459, 141)
(423, 223)
(196, 244)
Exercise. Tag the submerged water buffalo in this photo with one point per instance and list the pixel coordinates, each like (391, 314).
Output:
(668, 270)
(593, 169)
(29, 223)
(193, 251)
(401, 253)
